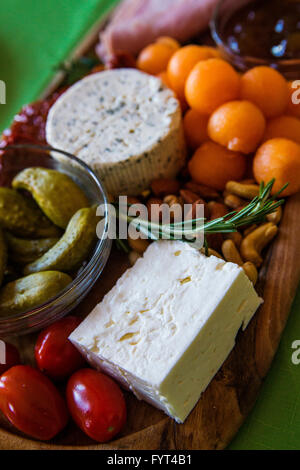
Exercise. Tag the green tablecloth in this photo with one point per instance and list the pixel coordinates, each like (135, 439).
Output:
(35, 37)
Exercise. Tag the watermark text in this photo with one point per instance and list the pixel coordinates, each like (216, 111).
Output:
(2, 352)
(2, 92)
(296, 354)
(296, 93)
(159, 221)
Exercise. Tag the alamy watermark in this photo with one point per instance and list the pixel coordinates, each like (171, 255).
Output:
(2, 352)
(296, 354)
(2, 92)
(296, 93)
(160, 221)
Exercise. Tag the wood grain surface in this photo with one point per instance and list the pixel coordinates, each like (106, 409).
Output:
(230, 396)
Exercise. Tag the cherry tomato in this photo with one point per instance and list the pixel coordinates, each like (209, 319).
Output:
(11, 356)
(96, 404)
(31, 402)
(55, 355)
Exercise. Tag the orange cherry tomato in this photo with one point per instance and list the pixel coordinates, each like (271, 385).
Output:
(154, 58)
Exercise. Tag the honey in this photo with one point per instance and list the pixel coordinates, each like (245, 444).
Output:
(268, 29)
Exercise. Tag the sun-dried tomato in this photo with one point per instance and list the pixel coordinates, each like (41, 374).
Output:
(29, 124)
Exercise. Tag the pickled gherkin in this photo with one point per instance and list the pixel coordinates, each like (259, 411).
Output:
(22, 217)
(31, 291)
(3, 256)
(43, 236)
(74, 246)
(23, 251)
(55, 193)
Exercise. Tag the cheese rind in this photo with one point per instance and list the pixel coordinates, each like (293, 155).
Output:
(169, 323)
(125, 124)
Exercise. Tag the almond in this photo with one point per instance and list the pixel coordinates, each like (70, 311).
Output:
(164, 186)
(188, 196)
(203, 191)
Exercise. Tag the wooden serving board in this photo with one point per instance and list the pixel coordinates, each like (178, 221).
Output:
(230, 396)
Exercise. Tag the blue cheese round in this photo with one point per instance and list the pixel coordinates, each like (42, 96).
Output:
(125, 124)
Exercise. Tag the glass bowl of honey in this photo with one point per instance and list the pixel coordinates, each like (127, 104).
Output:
(249, 33)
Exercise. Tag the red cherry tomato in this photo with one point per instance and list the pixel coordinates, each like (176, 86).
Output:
(55, 355)
(31, 402)
(96, 404)
(9, 355)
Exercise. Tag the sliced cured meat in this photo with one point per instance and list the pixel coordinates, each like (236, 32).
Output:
(136, 23)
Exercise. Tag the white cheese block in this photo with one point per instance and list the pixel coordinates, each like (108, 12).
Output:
(168, 325)
(125, 124)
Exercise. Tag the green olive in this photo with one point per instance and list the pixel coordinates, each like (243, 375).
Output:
(31, 291)
(74, 246)
(55, 193)
(23, 251)
(22, 217)
(3, 256)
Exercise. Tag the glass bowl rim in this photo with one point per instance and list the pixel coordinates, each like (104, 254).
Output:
(216, 35)
(97, 250)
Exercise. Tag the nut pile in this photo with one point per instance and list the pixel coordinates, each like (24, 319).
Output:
(244, 247)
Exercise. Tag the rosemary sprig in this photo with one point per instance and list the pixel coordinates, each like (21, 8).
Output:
(254, 213)
(121, 245)
(77, 69)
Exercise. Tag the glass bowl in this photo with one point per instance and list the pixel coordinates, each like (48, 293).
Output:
(14, 159)
(290, 68)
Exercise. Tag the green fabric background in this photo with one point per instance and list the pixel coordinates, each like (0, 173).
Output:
(35, 37)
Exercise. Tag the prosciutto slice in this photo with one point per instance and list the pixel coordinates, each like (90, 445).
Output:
(136, 23)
